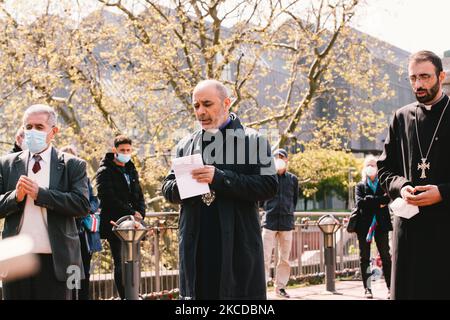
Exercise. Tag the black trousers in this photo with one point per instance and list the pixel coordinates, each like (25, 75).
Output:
(84, 292)
(41, 286)
(382, 242)
(116, 252)
(209, 255)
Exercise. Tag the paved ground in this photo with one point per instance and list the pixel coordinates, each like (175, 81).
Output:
(346, 290)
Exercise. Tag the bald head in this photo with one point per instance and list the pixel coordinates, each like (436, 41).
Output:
(211, 104)
(211, 83)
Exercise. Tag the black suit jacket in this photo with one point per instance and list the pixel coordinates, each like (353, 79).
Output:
(65, 199)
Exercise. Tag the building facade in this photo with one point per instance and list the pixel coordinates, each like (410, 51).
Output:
(446, 65)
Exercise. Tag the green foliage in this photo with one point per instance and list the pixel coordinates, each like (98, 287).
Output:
(352, 250)
(325, 171)
(319, 278)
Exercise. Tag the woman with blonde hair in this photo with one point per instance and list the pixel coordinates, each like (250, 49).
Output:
(374, 222)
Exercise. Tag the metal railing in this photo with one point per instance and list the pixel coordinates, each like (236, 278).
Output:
(307, 255)
(159, 259)
(159, 254)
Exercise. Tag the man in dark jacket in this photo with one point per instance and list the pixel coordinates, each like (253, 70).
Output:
(120, 194)
(221, 253)
(85, 237)
(278, 223)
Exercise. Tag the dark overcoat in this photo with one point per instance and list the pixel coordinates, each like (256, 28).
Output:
(369, 203)
(238, 189)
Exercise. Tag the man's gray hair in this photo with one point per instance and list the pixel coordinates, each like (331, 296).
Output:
(41, 109)
(220, 87)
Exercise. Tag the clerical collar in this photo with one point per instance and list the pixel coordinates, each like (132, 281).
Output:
(428, 107)
(221, 128)
(226, 123)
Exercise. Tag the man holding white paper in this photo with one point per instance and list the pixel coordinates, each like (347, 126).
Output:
(188, 186)
(415, 167)
(231, 169)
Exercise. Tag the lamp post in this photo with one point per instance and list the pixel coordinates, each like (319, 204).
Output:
(130, 232)
(351, 198)
(328, 224)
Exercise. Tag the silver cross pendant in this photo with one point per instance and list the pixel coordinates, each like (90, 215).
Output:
(423, 166)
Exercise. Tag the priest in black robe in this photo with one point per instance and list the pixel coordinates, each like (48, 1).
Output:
(220, 249)
(415, 165)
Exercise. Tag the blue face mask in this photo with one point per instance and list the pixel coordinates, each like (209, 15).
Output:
(124, 158)
(35, 140)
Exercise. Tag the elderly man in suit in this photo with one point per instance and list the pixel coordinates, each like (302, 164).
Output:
(42, 191)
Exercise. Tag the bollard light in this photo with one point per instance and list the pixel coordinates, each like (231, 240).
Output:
(328, 224)
(130, 232)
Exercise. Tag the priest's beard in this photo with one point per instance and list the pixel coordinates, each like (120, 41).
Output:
(431, 93)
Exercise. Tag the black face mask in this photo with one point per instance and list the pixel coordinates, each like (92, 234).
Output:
(431, 93)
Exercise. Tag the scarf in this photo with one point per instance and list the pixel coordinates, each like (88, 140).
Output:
(373, 185)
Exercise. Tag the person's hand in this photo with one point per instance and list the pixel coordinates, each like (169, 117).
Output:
(369, 200)
(428, 197)
(138, 216)
(30, 187)
(407, 192)
(20, 192)
(204, 175)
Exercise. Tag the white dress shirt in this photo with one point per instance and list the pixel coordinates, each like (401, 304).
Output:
(34, 217)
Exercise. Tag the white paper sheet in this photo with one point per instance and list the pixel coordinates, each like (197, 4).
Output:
(16, 259)
(402, 209)
(187, 186)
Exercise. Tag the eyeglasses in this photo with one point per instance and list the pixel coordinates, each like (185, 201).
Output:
(423, 77)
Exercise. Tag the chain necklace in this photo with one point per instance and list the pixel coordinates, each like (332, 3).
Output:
(426, 165)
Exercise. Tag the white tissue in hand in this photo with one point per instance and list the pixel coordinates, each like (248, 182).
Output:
(402, 209)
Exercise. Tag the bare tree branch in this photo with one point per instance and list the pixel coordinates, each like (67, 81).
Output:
(19, 86)
(8, 15)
